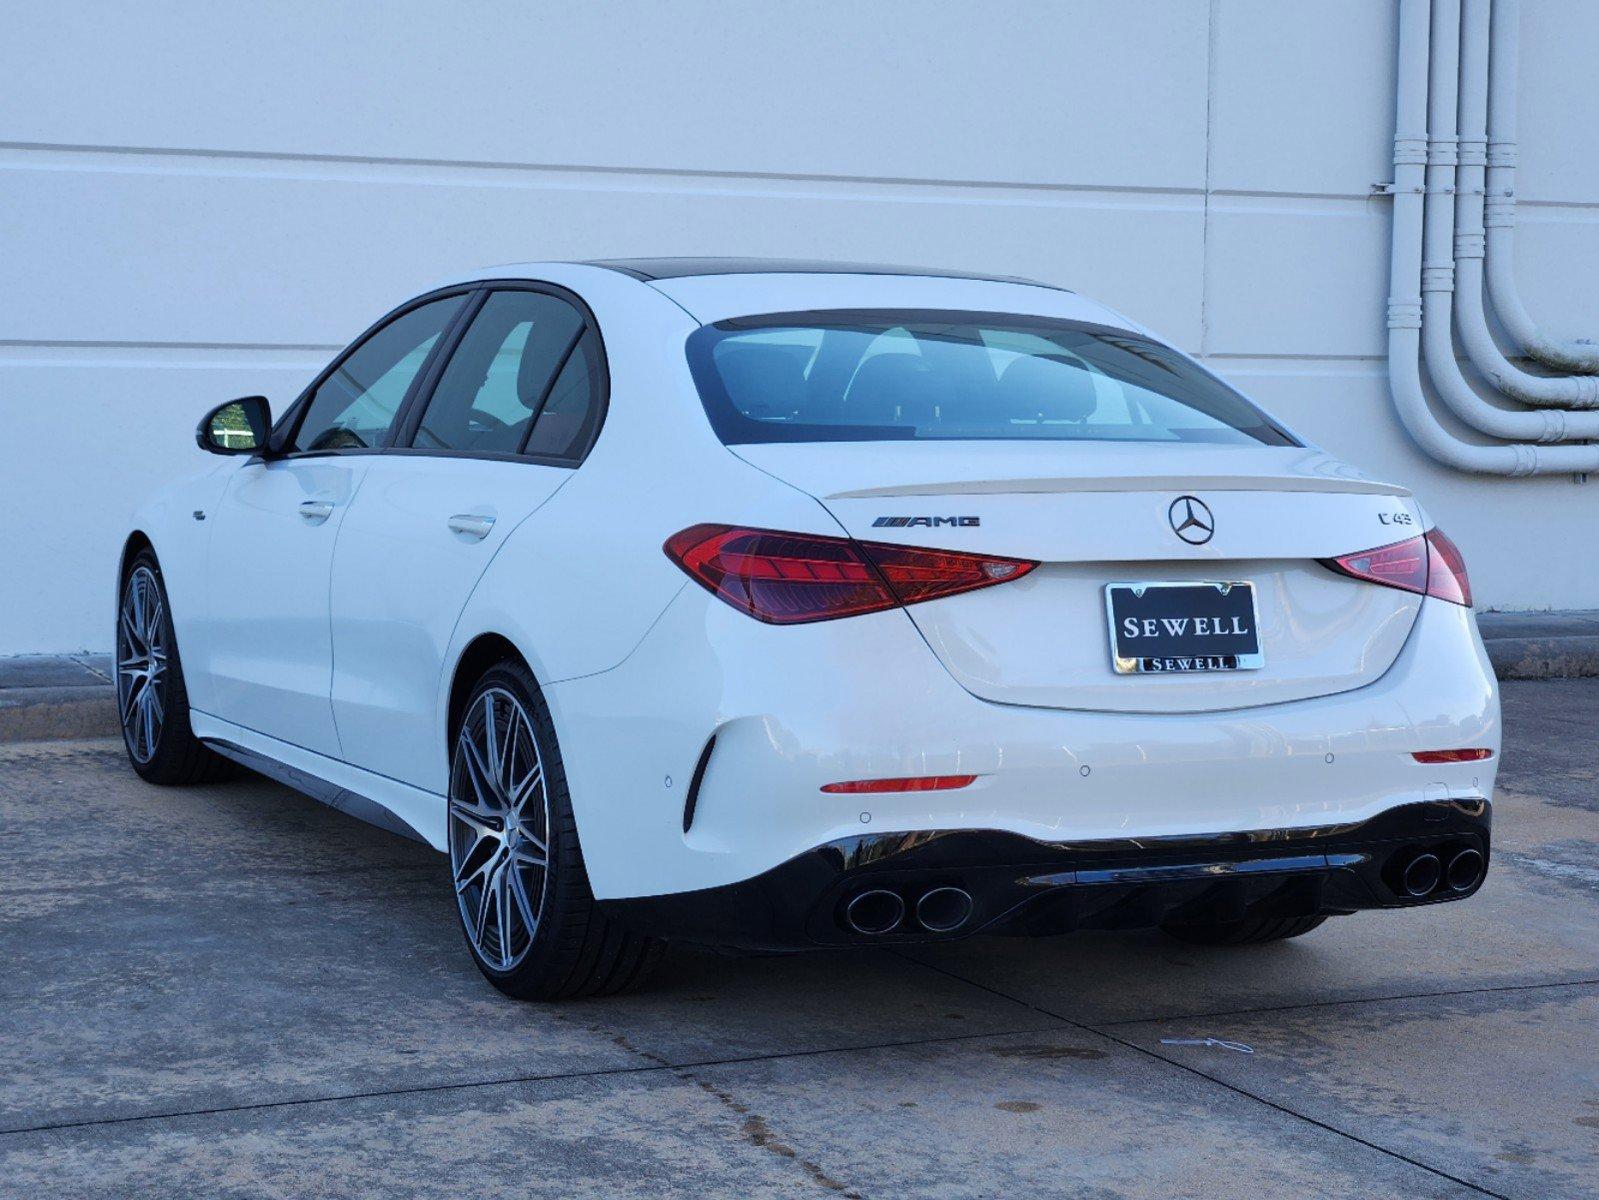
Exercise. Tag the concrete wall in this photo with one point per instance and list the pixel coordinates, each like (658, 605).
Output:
(200, 200)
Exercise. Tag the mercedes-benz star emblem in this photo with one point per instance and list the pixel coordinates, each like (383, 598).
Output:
(1191, 520)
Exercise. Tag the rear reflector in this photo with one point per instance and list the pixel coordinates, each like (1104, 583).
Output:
(1429, 566)
(788, 578)
(1449, 756)
(915, 783)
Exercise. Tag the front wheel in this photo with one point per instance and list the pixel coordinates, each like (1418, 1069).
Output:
(152, 701)
(521, 889)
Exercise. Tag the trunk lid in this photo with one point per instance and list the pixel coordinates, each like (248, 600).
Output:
(1099, 513)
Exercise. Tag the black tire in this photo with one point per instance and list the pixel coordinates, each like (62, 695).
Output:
(174, 756)
(1244, 933)
(574, 950)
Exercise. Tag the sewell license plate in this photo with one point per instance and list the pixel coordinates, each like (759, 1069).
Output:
(1176, 627)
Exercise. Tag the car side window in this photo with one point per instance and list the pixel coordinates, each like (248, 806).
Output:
(354, 406)
(566, 424)
(500, 376)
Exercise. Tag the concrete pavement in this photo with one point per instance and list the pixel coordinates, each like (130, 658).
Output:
(233, 991)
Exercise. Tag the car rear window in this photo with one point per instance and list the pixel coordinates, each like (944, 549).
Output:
(893, 375)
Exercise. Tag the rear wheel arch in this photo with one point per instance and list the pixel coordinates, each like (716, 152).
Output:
(573, 949)
(481, 653)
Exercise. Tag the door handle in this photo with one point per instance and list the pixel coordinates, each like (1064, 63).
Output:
(316, 511)
(472, 525)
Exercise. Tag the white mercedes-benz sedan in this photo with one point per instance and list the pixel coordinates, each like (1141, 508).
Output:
(779, 605)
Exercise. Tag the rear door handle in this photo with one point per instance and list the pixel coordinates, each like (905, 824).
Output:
(472, 525)
(316, 511)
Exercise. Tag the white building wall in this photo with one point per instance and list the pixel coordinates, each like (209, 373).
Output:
(202, 200)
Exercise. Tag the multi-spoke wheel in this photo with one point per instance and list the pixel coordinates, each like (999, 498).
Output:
(151, 698)
(499, 829)
(141, 663)
(517, 869)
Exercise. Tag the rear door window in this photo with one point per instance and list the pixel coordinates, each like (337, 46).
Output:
(570, 417)
(503, 374)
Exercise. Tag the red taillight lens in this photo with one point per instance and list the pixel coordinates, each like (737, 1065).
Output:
(1446, 570)
(787, 578)
(1452, 756)
(915, 783)
(1429, 566)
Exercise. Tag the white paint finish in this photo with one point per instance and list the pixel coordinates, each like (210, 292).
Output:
(259, 635)
(400, 580)
(1026, 93)
(802, 706)
(1045, 124)
(290, 626)
(1319, 636)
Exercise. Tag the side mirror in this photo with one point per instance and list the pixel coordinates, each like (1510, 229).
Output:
(238, 427)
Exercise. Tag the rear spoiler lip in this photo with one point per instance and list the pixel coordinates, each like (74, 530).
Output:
(1129, 483)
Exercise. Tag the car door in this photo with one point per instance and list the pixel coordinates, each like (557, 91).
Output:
(515, 408)
(267, 647)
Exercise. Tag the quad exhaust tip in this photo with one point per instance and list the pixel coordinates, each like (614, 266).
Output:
(874, 912)
(942, 909)
(1422, 874)
(1465, 870)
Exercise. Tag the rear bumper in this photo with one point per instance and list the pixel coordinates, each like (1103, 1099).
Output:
(794, 708)
(1018, 885)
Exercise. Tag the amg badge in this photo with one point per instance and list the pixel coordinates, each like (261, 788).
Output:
(929, 522)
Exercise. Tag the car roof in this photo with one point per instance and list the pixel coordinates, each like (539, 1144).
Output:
(649, 269)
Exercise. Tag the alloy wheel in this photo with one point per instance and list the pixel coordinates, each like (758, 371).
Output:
(142, 663)
(498, 828)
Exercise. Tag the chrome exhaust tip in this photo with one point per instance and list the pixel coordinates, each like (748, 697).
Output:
(942, 909)
(875, 912)
(1465, 871)
(1422, 874)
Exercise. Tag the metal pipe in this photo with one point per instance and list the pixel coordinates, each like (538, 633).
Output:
(1500, 215)
(1404, 299)
(1470, 316)
(1422, 874)
(1465, 870)
(1438, 263)
(875, 912)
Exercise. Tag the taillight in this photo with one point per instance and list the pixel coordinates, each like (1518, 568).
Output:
(1446, 570)
(1429, 566)
(787, 578)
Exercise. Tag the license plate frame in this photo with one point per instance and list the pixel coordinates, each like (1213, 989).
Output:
(1237, 655)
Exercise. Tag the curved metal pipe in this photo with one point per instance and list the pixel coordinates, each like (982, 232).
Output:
(1404, 299)
(1501, 206)
(1470, 315)
(1438, 265)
